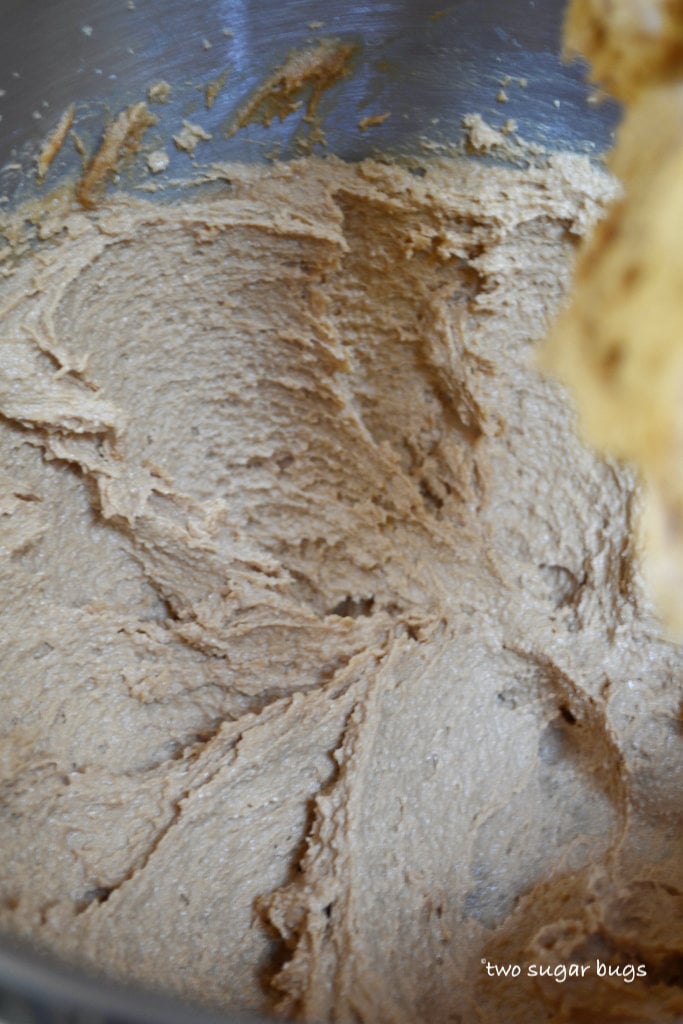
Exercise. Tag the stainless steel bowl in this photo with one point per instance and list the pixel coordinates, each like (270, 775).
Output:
(428, 62)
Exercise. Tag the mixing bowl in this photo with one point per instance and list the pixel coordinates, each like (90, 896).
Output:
(426, 63)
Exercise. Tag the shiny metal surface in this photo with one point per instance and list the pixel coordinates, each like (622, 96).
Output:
(427, 62)
(35, 991)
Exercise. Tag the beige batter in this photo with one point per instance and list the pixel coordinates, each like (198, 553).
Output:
(327, 674)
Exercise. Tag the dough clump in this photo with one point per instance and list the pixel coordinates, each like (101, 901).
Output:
(327, 674)
(619, 343)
